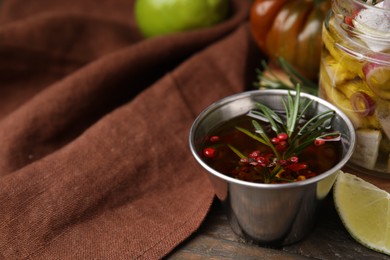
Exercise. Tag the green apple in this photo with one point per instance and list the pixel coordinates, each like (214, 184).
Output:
(160, 17)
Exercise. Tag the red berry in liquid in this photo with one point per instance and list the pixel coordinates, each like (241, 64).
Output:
(318, 142)
(282, 136)
(254, 154)
(214, 138)
(209, 152)
(275, 140)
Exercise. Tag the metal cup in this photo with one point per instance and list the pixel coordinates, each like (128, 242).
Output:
(269, 214)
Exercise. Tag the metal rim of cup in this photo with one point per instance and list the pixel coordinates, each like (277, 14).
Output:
(247, 94)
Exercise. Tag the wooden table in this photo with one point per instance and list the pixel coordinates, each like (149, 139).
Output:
(329, 239)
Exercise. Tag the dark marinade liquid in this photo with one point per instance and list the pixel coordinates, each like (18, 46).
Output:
(318, 158)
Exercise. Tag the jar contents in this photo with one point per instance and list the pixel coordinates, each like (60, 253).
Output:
(355, 76)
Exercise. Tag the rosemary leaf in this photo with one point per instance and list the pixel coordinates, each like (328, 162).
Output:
(295, 111)
(263, 134)
(271, 80)
(316, 121)
(257, 138)
(299, 148)
(287, 111)
(305, 104)
(236, 151)
(272, 117)
(296, 77)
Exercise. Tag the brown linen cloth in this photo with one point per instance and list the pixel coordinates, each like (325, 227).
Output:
(94, 123)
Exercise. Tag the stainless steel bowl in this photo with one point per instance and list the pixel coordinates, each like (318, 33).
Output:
(269, 214)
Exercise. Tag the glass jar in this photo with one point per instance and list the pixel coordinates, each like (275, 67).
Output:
(355, 76)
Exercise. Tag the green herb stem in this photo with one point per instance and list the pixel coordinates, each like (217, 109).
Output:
(257, 138)
(236, 151)
(261, 131)
(273, 81)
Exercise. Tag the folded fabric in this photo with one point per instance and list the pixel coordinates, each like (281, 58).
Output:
(94, 122)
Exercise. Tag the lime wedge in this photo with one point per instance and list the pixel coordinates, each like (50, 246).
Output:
(365, 211)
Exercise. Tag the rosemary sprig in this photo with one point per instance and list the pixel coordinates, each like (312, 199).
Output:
(299, 138)
(295, 109)
(272, 80)
(299, 135)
